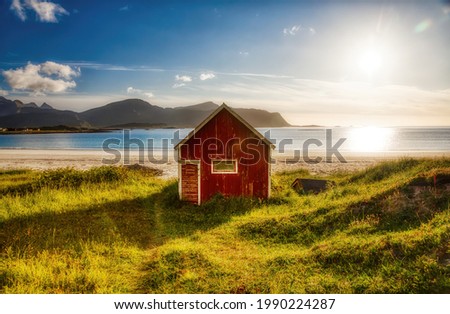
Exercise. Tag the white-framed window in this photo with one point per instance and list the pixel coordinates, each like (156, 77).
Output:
(224, 166)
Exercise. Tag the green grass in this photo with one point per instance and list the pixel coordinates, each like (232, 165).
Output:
(117, 230)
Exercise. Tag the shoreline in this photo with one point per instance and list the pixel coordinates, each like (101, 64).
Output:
(45, 159)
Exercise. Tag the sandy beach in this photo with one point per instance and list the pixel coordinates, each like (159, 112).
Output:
(39, 159)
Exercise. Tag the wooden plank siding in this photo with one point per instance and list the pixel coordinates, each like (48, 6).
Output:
(226, 138)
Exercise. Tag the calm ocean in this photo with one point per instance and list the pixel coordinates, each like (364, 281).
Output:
(397, 139)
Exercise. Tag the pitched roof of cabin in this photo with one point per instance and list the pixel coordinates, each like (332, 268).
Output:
(234, 114)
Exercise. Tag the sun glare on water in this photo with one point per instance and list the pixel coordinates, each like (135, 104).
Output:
(369, 139)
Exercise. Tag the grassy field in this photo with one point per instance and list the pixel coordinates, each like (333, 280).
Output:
(116, 230)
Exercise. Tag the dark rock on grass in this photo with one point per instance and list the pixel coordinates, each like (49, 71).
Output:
(311, 185)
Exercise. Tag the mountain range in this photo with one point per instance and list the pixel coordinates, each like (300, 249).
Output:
(129, 113)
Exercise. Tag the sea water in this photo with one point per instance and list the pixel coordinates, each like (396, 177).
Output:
(354, 139)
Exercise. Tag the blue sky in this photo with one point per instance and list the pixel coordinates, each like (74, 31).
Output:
(316, 62)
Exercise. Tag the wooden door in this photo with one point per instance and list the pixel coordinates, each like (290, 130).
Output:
(190, 182)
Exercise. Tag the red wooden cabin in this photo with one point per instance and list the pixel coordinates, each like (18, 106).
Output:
(223, 154)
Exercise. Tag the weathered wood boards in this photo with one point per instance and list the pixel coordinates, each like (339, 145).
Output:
(232, 158)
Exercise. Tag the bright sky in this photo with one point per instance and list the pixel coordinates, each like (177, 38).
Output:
(315, 62)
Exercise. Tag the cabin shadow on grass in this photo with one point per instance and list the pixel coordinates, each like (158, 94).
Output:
(182, 218)
(141, 222)
(105, 223)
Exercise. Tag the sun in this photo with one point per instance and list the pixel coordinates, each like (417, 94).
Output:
(370, 61)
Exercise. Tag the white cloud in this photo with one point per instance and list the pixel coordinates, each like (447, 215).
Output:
(292, 30)
(46, 11)
(17, 7)
(60, 70)
(263, 75)
(177, 85)
(42, 78)
(207, 76)
(135, 91)
(124, 8)
(3, 92)
(113, 67)
(132, 90)
(183, 78)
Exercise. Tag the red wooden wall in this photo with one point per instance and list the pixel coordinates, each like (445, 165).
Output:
(225, 137)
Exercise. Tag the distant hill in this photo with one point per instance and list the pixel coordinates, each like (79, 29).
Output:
(262, 118)
(7, 107)
(126, 113)
(206, 106)
(45, 106)
(16, 114)
(39, 119)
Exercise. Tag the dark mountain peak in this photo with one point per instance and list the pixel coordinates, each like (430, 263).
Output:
(123, 112)
(7, 107)
(262, 118)
(123, 106)
(128, 103)
(4, 100)
(26, 108)
(205, 106)
(45, 106)
(18, 103)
